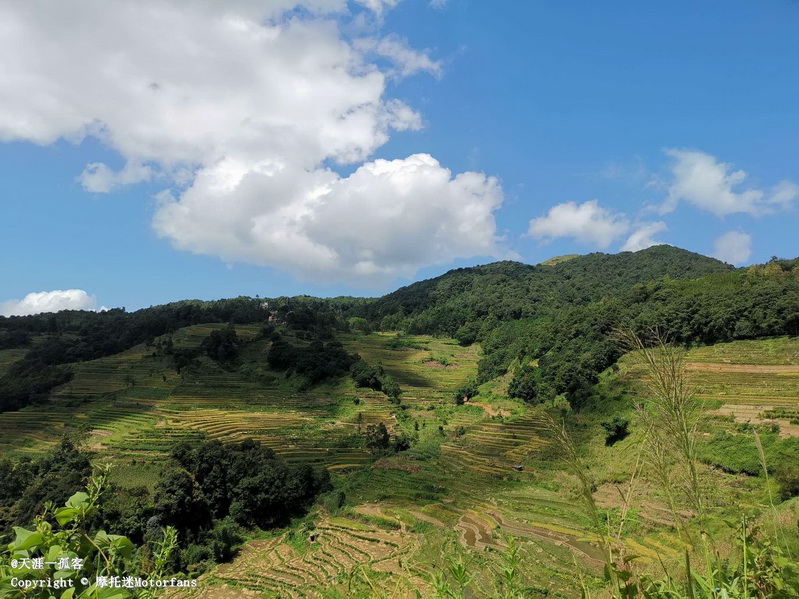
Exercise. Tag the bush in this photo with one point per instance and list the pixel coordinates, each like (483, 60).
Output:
(375, 378)
(787, 475)
(616, 429)
(366, 376)
(468, 391)
(401, 443)
(224, 540)
(244, 481)
(222, 345)
(377, 437)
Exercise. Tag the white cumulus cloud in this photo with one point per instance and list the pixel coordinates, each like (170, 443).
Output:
(734, 247)
(588, 223)
(644, 236)
(388, 218)
(49, 301)
(701, 180)
(241, 108)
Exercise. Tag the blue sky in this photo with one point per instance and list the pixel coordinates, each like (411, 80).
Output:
(329, 148)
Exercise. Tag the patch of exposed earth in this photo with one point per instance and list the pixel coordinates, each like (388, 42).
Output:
(742, 368)
(753, 414)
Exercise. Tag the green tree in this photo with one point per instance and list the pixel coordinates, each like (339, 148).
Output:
(377, 437)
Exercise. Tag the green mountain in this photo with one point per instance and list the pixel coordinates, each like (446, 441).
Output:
(560, 315)
(511, 290)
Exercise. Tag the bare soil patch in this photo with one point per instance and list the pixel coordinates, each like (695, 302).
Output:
(742, 368)
(475, 532)
(752, 414)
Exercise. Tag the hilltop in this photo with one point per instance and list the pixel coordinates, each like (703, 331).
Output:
(558, 259)
(510, 290)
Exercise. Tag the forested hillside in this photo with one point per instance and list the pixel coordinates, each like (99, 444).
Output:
(553, 321)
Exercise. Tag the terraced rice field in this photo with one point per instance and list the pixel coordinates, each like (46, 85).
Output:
(339, 554)
(444, 496)
(754, 382)
(497, 446)
(425, 379)
(482, 480)
(134, 406)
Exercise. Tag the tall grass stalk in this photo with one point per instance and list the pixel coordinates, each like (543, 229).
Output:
(778, 529)
(563, 440)
(673, 405)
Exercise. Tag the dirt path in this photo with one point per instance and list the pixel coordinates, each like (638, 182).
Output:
(742, 368)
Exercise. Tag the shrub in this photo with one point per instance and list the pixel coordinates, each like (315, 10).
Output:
(787, 475)
(615, 430)
(468, 391)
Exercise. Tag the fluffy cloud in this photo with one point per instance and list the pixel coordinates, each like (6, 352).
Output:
(49, 301)
(191, 83)
(587, 222)
(644, 236)
(387, 218)
(242, 107)
(733, 247)
(698, 178)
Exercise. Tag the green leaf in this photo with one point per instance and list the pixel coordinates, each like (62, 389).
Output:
(25, 539)
(117, 544)
(122, 545)
(54, 553)
(68, 594)
(78, 501)
(65, 515)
